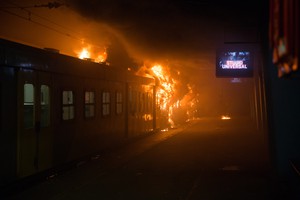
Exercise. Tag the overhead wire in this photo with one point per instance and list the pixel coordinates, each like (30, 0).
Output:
(29, 18)
(30, 13)
(40, 24)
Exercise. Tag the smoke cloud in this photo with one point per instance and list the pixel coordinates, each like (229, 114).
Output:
(180, 34)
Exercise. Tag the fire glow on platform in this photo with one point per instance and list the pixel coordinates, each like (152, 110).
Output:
(225, 117)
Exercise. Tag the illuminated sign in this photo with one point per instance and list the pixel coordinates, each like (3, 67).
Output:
(231, 63)
(234, 64)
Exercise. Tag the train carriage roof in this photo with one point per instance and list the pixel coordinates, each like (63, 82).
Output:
(18, 55)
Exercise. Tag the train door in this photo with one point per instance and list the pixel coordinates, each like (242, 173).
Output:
(34, 134)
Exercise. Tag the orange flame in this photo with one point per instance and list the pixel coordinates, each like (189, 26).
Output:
(84, 54)
(166, 88)
(101, 57)
(167, 92)
(89, 53)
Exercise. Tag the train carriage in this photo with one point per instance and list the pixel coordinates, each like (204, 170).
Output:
(56, 109)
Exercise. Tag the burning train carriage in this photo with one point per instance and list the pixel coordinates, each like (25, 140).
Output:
(55, 109)
(141, 111)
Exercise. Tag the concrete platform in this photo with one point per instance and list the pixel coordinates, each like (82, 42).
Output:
(207, 159)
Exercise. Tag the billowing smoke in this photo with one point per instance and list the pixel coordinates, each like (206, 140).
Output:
(154, 29)
(182, 35)
(170, 33)
(165, 28)
(61, 28)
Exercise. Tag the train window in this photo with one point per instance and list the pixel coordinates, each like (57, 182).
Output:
(28, 106)
(147, 107)
(143, 103)
(68, 105)
(157, 103)
(45, 106)
(105, 103)
(150, 102)
(133, 99)
(130, 97)
(140, 102)
(89, 104)
(119, 103)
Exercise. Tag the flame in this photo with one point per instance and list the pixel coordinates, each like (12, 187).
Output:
(90, 53)
(84, 54)
(170, 99)
(166, 87)
(147, 117)
(101, 57)
(166, 91)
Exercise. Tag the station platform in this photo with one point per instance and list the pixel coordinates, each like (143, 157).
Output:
(207, 159)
